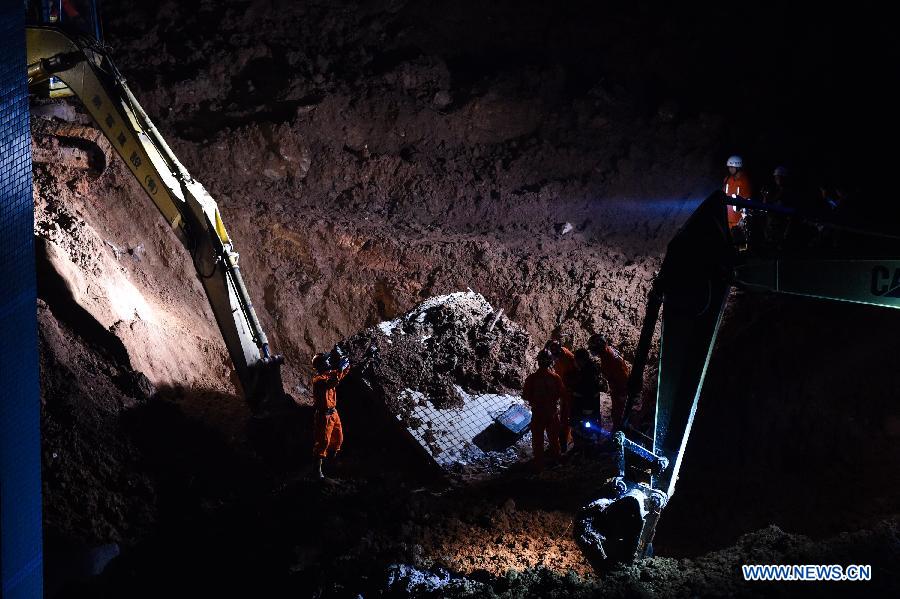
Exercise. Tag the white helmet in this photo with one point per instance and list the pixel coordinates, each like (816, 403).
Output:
(780, 171)
(735, 161)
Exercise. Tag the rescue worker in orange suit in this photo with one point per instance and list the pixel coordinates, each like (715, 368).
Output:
(328, 434)
(543, 390)
(736, 185)
(616, 371)
(564, 366)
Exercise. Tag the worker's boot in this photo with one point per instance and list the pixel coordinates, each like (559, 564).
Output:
(319, 472)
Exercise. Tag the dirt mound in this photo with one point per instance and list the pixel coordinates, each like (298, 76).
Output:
(94, 490)
(716, 573)
(444, 342)
(446, 371)
(102, 249)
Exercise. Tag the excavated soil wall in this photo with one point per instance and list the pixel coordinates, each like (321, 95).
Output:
(367, 156)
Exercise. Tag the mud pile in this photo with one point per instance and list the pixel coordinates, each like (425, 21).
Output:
(446, 371)
(455, 340)
(715, 573)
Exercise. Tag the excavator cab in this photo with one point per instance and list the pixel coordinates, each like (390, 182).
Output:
(76, 16)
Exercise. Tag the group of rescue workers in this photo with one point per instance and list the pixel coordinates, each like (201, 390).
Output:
(758, 228)
(564, 391)
(564, 395)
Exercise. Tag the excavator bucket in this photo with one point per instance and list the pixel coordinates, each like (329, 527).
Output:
(620, 526)
(266, 389)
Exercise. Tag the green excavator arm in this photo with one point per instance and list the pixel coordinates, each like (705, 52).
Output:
(701, 265)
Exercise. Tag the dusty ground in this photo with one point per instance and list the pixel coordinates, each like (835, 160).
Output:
(367, 156)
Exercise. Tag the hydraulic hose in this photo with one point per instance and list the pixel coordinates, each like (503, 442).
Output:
(243, 297)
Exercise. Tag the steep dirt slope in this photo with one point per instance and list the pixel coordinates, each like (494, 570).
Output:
(460, 182)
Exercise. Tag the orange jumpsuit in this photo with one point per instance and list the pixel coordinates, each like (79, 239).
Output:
(565, 368)
(616, 372)
(736, 185)
(543, 390)
(328, 433)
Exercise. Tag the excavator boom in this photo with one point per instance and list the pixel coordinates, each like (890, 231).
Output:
(85, 68)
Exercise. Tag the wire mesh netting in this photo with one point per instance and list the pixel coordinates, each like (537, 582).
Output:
(484, 433)
(20, 487)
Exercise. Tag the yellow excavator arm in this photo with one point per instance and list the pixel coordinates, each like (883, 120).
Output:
(85, 67)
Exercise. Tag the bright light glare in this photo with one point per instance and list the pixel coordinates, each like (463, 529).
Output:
(127, 302)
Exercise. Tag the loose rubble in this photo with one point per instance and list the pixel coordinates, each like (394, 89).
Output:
(446, 370)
